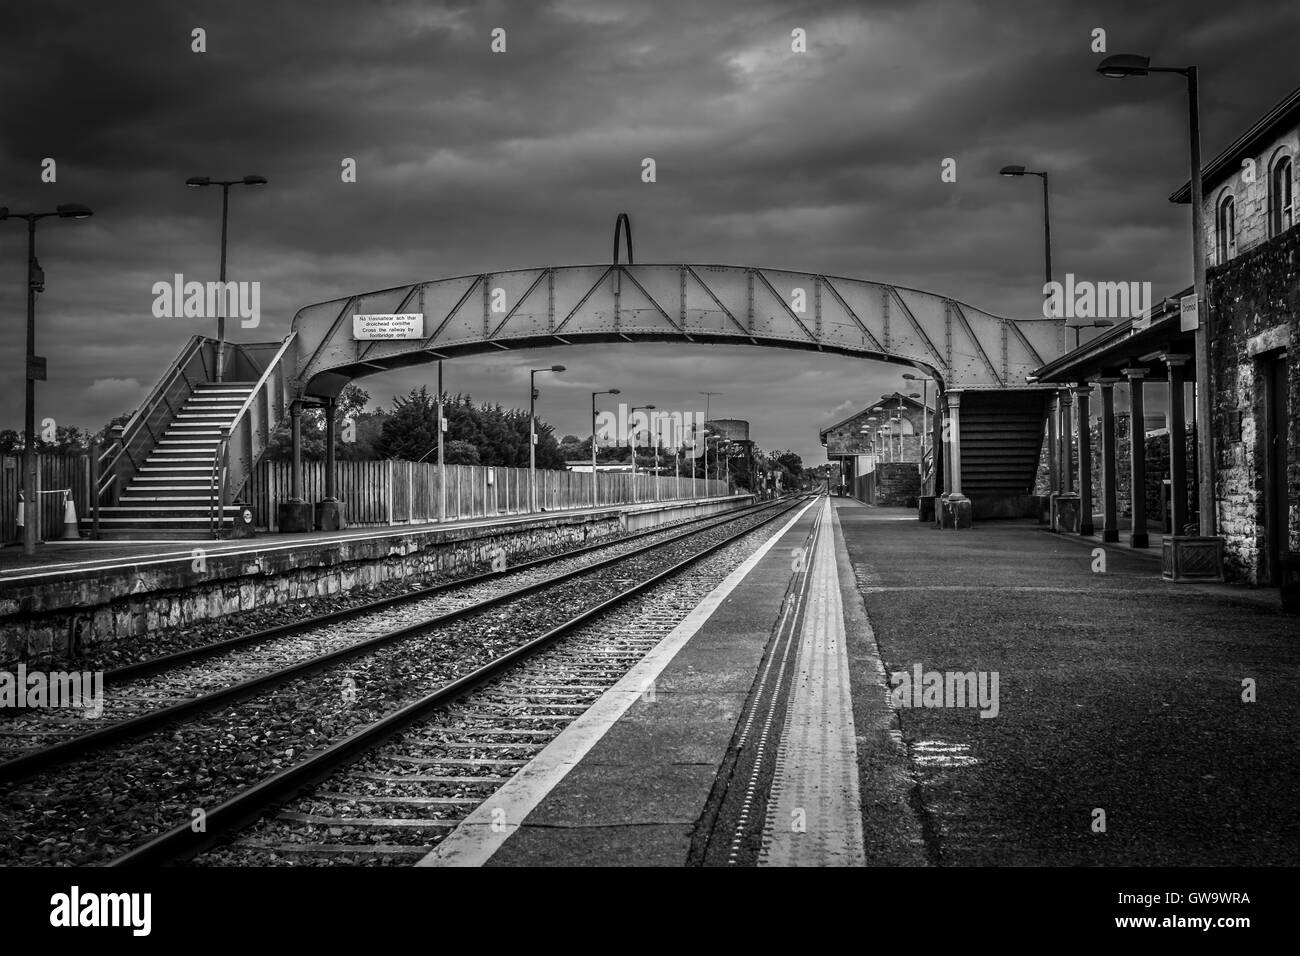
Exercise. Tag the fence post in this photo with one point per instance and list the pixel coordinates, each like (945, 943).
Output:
(388, 492)
(410, 492)
(95, 452)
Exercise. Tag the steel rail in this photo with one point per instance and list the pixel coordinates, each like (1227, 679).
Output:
(182, 842)
(37, 761)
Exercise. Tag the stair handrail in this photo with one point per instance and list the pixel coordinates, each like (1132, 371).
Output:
(113, 469)
(217, 484)
(272, 385)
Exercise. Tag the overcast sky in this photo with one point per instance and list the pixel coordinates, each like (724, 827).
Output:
(470, 161)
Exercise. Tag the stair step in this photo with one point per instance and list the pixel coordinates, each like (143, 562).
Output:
(172, 498)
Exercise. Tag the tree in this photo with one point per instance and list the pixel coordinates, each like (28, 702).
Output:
(791, 462)
(364, 427)
(460, 453)
(499, 436)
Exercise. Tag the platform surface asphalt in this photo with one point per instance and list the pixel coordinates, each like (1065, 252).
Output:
(1121, 736)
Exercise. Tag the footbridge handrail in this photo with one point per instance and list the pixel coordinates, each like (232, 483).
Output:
(250, 431)
(130, 443)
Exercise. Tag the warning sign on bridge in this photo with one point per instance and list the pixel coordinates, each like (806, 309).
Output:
(370, 327)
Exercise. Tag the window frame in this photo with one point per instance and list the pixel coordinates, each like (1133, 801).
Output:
(1280, 217)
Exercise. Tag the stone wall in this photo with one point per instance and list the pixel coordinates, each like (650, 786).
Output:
(1157, 469)
(49, 620)
(1255, 309)
(898, 484)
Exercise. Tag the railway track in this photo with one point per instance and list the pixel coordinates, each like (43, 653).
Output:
(148, 694)
(97, 798)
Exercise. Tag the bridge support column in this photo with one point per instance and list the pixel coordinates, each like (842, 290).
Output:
(329, 511)
(1066, 428)
(1137, 457)
(954, 510)
(295, 515)
(1053, 447)
(1109, 505)
(1064, 504)
(1085, 461)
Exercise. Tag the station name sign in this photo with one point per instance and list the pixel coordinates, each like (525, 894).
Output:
(367, 328)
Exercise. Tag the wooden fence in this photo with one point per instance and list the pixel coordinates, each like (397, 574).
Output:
(54, 473)
(404, 492)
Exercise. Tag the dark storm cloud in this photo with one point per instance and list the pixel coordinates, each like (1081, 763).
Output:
(470, 161)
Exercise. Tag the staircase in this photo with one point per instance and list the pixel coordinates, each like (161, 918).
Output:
(1001, 438)
(171, 494)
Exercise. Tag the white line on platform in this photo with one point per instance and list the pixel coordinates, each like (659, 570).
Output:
(814, 815)
(484, 831)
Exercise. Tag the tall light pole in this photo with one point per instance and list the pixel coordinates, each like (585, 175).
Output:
(225, 185)
(35, 370)
(1121, 66)
(631, 440)
(925, 409)
(894, 418)
(1047, 222)
(532, 433)
(707, 439)
(442, 467)
(708, 396)
(608, 391)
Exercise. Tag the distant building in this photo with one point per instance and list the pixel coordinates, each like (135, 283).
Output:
(887, 432)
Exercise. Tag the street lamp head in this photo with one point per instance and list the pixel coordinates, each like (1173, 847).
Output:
(614, 391)
(557, 368)
(1122, 65)
(254, 180)
(1008, 171)
(73, 210)
(199, 181)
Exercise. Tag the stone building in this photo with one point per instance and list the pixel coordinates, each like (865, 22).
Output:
(880, 448)
(1253, 310)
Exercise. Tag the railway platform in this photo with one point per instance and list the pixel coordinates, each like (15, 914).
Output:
(51, 602)
(867, 690)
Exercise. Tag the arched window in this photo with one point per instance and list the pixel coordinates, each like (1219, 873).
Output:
(1226, 229)
(1281, 197)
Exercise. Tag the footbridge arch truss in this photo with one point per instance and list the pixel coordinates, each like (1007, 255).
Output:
(961, 346)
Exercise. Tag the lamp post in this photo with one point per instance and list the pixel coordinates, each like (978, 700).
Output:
(225, 185)
(707, 439)
(609, 391)
(925, 409)
(35, 370)
(631, 440)
(894, 418)
(1047, 222)
(532, 433)
(707, 398)
(1121, 66)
